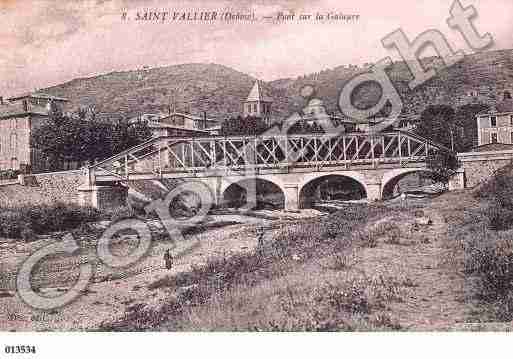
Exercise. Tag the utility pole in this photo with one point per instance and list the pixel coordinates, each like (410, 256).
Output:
(452, 137)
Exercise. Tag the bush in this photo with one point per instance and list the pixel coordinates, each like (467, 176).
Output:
(498, 191)
(27, 234)
(9, 174)
(24, 222)
(11, 224)
(118, 213)
(491, 259)
(500, 218)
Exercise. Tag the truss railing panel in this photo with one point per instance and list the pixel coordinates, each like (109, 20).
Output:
(192, 155)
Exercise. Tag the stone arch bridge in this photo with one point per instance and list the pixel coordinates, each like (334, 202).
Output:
(292, 162)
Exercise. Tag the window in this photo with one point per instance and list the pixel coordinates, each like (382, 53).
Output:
(507, 95)
(494, 138)
(493, 121)
(511, 120)
(14, 142)
(511, 138)
(255, 108)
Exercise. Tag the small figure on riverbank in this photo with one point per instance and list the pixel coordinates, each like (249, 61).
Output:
(404, 199)
(260, 238)
(168, 259)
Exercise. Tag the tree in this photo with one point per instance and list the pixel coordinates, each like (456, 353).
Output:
(437, 123)
(249, 126)
(82, 138)
(465, 118)
(443, 165)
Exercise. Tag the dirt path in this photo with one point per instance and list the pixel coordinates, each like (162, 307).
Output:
(435, 299)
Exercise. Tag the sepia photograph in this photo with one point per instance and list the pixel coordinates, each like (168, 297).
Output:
(277, 166)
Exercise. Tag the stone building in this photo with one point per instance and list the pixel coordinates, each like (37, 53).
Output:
(315, 114)
(496, 125)
(179, 124)
(19, 116)
(258, 104)
(192, 122)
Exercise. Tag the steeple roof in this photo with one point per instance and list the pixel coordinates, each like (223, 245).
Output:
(256, 94)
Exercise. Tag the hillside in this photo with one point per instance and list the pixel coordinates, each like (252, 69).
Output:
(219, 90)
(489, 74)
(212, 88)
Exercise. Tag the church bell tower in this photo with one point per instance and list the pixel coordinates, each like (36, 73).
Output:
(258, 104)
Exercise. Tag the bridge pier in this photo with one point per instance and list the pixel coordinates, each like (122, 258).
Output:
(291, 191)
(102, 197)
(457, 181)
(373, 191)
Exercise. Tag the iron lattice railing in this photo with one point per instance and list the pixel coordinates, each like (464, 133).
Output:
(167, 155)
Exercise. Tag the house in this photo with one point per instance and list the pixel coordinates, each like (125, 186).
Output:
(189, 121)
(179, 124)
(496, 125)
(315, 114)
(19, 116)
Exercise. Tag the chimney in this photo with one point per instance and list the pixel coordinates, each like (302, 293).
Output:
(1, 100)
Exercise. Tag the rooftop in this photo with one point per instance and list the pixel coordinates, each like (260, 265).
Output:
(192, 117)
(18, 109)
(256, 94)
(36, 95)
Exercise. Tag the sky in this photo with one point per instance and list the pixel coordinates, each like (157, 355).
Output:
(48, 42)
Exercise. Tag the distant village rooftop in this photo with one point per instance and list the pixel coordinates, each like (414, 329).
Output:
(41, 96)
(8, 110)
(189, 116)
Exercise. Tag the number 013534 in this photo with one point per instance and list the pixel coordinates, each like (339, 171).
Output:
(20, 349)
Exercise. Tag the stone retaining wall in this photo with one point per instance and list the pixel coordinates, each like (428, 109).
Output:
(481, 166)
(44, 188)
(57, 186)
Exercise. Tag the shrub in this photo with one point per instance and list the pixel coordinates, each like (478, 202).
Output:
(368, 239)
(498, 191)
(491, 260)
(27, 234)
(120, 212)
(11, 224)
(9, 174)
(24, 222)
(350, 298)
(500, 218)
(340, 262)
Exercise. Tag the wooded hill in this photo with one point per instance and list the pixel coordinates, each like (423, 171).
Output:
(219, 90)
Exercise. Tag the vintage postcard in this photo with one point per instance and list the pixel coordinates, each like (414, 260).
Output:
(255, 166)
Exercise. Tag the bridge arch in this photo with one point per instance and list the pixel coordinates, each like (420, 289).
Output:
(334, 185)
(266, 192)
(391, 179)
